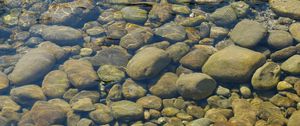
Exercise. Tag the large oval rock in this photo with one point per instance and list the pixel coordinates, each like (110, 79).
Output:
(195, 86)
(127, 110)
(43, 114)
(266, 77)
(233, 64)
(55, 84)
(279, 39)
(165, 87)
(62, 35)
(147, 63)
(287, 8)
(81, 73)
(294, 119)
(28, 94)
(292, 65)
(32, 66)
(134, 14)
(247, 33)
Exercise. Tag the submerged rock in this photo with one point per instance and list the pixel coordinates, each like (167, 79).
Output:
(286, 8)
(32, 67)
(171, 31)
(248, 33)
(266, 77)
(224, 16)
(136, 38)
(55, 84)
(28, 94)
(134, 14)
(294, 30)
(195, 86)
(292, 65)
(127, 110)
(165, 87)
(233, 64)
(62, 35)
(81, 73)
(147, 63)
(4, 82)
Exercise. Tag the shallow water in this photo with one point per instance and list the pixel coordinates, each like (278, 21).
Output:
(149, 63)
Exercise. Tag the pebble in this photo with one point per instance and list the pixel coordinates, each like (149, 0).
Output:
(266, 77)
(165, 87)
(248, 33)
(81, 73)
(110, 73)
(286, 8)
(195, 86)
(245, 91)
(196, 58)
(223, 91)
(150, 102)
(102, 114)
(147, 63)
(293, 119)
(55, 84)
(284, 53)
(177, 51)
(136, 38)
(134, 14)
(171, 31)
(280, 39)
(224, 16)
(294, 30)
(4, 82)
(283, 85)
(233, 57)
(291, 65)
(133, 90)
(28, 94)
(127, 110)
(83, 105)
(86, 51)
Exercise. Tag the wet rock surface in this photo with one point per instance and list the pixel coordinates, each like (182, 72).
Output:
(149, 62)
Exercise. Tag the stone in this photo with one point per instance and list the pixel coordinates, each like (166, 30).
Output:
(62, 35)
(223, 91)
(245, 91)
(218, 114)
(196, 58)
(96, 31)
(218, 33)
(86, 51)
(184, 116)
(248, 33)
(241, 8)
(292, 65)
(133, 90)
(271, 113)
(181, 9)
(147, 63)
(59, 53)
(195, 86)
(224, 16)
(195, 111)
(284, 53)
(85, 122)
(233, 64)
(169, 111)
(285, 8)
(116, 30)
(126, 110)
(159, 14)
(115, 93)
(114, 55)
(171, 31)
(266, 77)
(283, 85)
(93, 95)
(282, 101)
(136, 38)
(81, 73)
(293, 120)
(43, 114)
(134, 14)
(55, 84)
(61, 103)
(74, 13)
(294, 30)
(83, 105)
(28, 94)
(150, 102)
(244, 113)
(218, 102)
(32, 66)
(8, 103)
(297, 87)
(70, 93)
(200, 122)
(279, 39)
(208, 2)
(177, 51)
(165, 87)
(110, 73)
(102, 114)
(4, 82)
